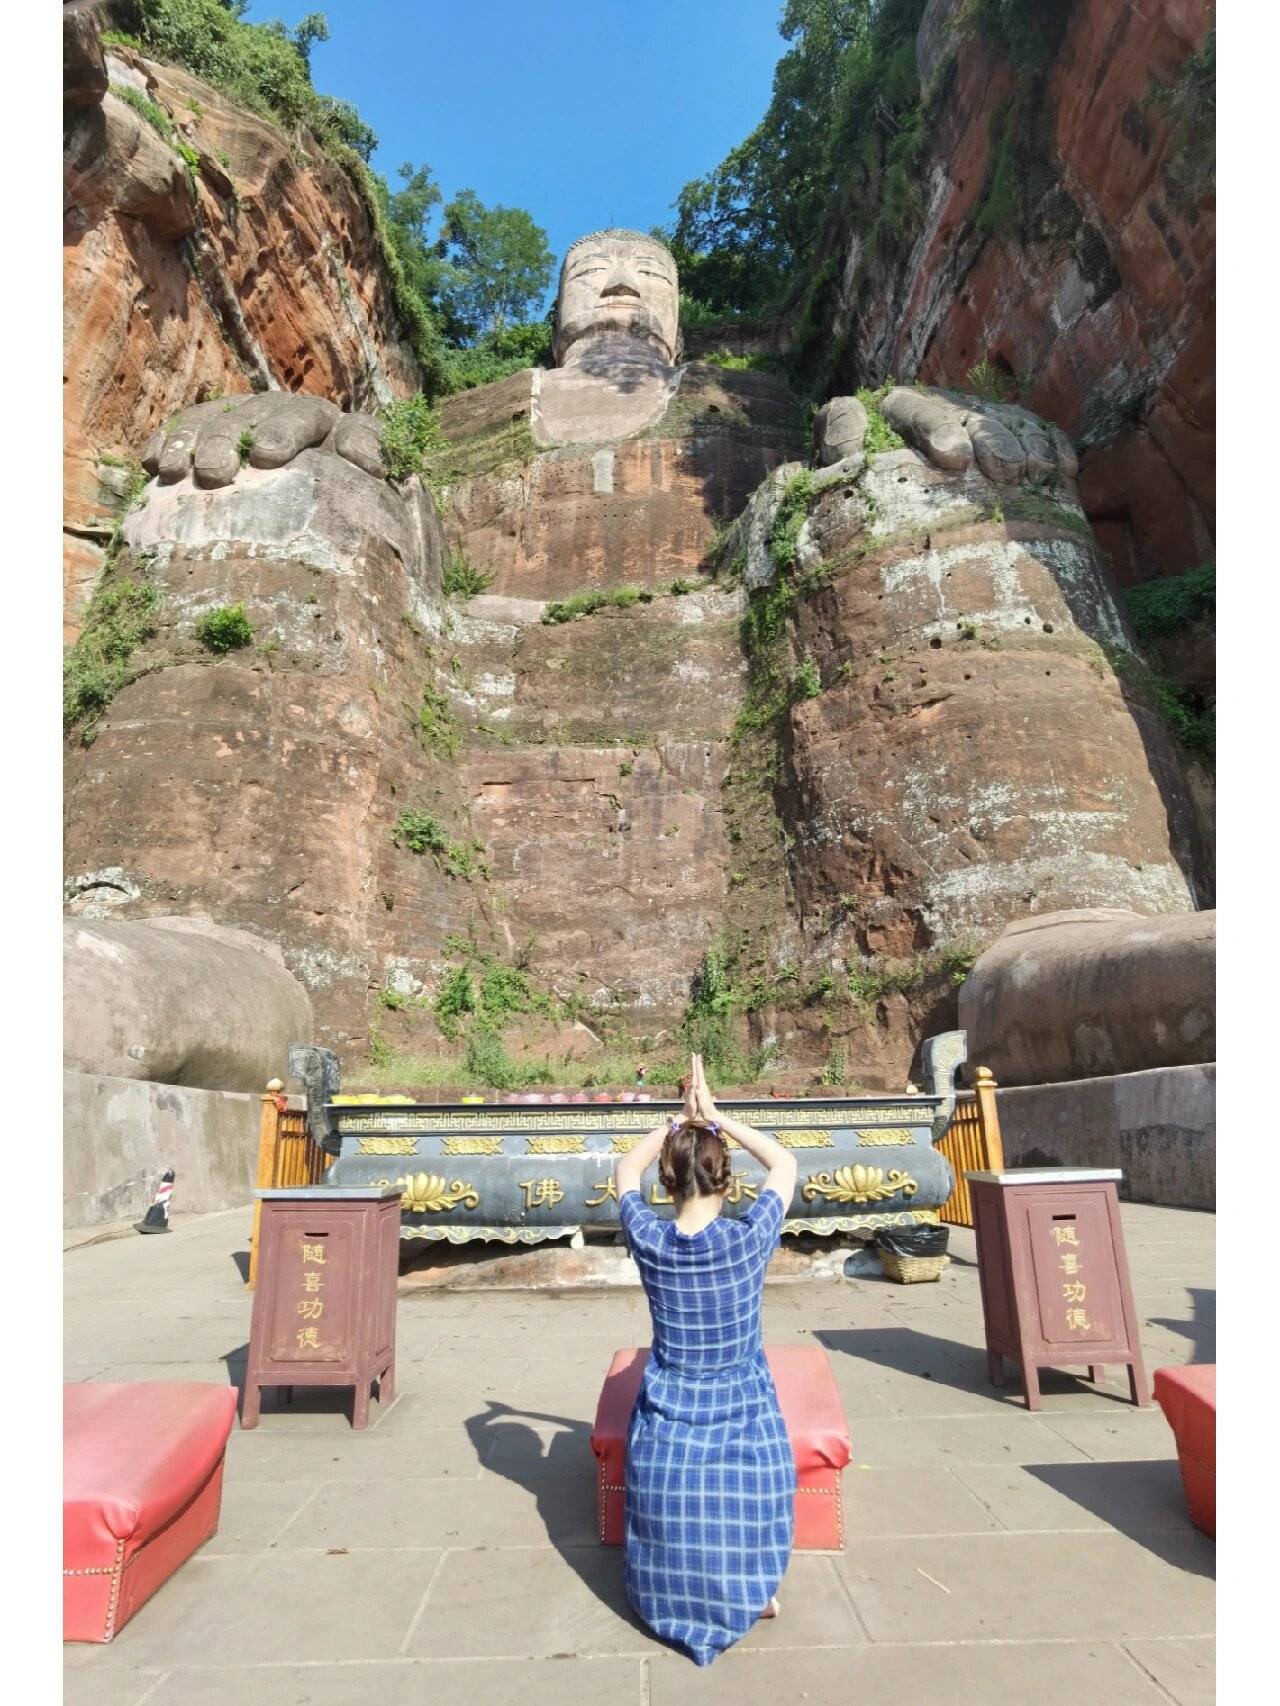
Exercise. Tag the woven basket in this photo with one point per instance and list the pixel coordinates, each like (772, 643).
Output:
(911, 1270)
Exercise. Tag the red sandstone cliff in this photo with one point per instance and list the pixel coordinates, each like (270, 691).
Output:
(1111, 323)
(257, 270)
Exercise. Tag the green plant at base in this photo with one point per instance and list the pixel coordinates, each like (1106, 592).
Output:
(1189, 717)
(789, 518)
(806, 683)
(437, 727)
(460, 580)
(120, 617)
(1173, 602)
(880, 435)
(456, 997)
(751, 363)
(244, 444)
(992, 383)
(225, 629)
(380, 1053)
(836, 1069)
(408, 429)
(147, 109)
(587, 603)
(419, 832)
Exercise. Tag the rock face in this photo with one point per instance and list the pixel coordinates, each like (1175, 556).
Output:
(1111, 320)
(178, 1001)
(971, 753)
(1093, 993)
(262, 786)
(597, 747)
(256, 271)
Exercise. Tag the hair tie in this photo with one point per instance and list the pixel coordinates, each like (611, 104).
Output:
(713, 1128)
(673, 1125)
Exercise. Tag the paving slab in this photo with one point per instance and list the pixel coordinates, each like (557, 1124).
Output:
(1184, 1668)
(990, 1553)
(280, 1607)
(1133, 1497)
(412, 1682)
(1006, 1587)
(1032, 1674)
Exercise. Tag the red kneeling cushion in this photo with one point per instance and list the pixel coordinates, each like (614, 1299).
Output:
(142, 1485)
(1188, 1397)
(811, 1408)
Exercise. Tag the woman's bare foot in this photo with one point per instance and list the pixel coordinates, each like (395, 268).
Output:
(770, 1610)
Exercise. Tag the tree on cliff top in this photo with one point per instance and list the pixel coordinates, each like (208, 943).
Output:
(472, 283)
(500, 260)
(745, 232)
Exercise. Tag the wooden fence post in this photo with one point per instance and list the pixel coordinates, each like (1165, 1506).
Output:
(984, 1087)
(268, 1139)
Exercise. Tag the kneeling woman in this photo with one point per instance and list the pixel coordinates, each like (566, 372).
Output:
(711, 1480)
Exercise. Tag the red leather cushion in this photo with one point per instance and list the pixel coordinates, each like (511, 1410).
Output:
(1188, 1397)
(133, 1455)
(807, 1396)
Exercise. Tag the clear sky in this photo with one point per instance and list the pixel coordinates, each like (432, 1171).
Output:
(587, 112)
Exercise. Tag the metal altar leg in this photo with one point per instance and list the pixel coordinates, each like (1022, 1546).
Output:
(1093, 1372)
(360, 1405)
(387, 1385)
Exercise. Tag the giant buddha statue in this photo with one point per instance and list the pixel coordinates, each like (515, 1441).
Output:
(385, 768)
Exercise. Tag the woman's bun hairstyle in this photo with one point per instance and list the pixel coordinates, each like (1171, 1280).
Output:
(694, 1162)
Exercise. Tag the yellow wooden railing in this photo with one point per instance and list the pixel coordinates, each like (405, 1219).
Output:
(287, 1155)
(971, 1144)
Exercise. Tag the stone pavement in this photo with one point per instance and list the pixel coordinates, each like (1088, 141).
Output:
(448, 1554)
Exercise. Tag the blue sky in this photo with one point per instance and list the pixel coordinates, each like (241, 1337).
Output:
(588, 114)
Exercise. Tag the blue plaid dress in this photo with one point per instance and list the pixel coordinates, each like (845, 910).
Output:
(711, 1479)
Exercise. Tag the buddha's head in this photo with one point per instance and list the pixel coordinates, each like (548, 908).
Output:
(617, 285)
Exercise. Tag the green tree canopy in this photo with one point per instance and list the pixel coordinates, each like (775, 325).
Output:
(500, 261)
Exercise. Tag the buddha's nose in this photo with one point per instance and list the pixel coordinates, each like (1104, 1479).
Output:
(621, 281)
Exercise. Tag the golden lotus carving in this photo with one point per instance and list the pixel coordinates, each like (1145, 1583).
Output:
(859, 1184)
(427, 1193)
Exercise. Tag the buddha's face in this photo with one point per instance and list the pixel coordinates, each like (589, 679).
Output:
(617, 286)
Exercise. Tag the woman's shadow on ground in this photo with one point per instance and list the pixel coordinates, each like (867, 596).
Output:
(560, 1473)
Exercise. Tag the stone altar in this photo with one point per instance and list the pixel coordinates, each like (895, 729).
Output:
(520, 1175)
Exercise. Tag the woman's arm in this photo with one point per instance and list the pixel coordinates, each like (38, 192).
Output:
(628, 1168)
(780, 1163)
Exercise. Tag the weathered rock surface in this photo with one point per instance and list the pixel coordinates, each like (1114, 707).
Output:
(597, 746)
(972, 755)
(1091, 993)
(178, 1001)
(262, 273)
(640, 510)
(1112, 326)
(263, 787)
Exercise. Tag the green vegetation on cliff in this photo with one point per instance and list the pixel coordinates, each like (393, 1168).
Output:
(1164, 606)
(120, 617)
(225, 629)
(461, 288)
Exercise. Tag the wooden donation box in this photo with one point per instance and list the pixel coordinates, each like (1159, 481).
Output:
(324, 1311)
(1055, 1279)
